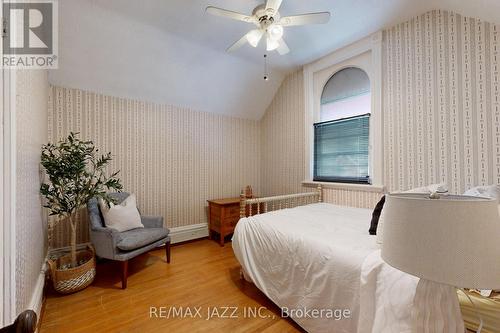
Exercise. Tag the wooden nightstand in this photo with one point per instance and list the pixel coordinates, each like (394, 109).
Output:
(488, 308)
(223, 215)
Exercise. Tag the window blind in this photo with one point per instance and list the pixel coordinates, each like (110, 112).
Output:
(341, 150)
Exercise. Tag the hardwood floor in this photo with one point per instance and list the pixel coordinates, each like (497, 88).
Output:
(201, 276)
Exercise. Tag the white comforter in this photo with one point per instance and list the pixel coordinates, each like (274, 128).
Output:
(321, 257)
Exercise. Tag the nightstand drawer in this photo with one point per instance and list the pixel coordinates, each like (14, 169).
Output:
(215, 210)
(231, 221)
(233, 211)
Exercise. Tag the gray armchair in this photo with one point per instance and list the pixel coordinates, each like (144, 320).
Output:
(122, 246)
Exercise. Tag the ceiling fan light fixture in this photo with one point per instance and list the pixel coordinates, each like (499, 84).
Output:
(254, 36)
(275, 31)
(269, 23)
(272, 44)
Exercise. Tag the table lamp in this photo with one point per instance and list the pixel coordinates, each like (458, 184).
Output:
(448, 242)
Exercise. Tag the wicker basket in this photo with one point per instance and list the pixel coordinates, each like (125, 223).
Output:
(67, 281)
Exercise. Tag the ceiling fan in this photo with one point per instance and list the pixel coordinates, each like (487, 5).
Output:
(269, 24)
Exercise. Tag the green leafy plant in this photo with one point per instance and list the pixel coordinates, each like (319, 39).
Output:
(76, 173)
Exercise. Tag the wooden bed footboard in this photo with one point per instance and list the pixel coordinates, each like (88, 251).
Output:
(265, 204)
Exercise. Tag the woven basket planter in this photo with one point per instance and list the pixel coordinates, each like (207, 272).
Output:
(67, 281)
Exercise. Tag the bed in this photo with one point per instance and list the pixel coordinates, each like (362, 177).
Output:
(319, 264)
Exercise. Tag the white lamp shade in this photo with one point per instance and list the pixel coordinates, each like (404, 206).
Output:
(453, 240)
(271, 44)
(275, 32)
(254, 36)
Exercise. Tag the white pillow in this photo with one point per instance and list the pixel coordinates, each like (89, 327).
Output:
(440, 188)
(122, 217)
(489, 191)
(380, 227)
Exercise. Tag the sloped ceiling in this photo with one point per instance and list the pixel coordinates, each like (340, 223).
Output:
(172, 52)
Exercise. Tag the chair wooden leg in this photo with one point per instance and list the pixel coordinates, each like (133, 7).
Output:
(124, 274)
(167, 249)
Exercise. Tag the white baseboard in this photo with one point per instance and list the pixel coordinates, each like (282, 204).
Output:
(188, 232)
(37, 296)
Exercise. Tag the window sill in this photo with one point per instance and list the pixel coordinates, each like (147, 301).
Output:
(345, 186)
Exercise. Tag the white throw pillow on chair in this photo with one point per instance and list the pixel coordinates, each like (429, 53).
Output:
(121, 217)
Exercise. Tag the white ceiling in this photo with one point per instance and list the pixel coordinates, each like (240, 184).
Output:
(172, 52)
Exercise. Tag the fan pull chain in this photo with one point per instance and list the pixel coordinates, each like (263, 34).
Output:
(266, 76)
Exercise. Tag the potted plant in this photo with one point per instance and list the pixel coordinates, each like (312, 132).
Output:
(76, 173)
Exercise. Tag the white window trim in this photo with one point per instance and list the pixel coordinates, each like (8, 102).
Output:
(345, 186)
(372, 44)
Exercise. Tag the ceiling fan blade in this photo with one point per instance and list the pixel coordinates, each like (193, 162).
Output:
(273, 4)
(229, 14)
(313, 18)
(239, 43)
(282, 48)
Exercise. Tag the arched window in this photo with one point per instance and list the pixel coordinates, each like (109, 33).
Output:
(341, 138)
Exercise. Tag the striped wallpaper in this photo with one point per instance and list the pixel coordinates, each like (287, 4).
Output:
(442, 102)
(282, 131)
(31, 134)
(174, 159)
